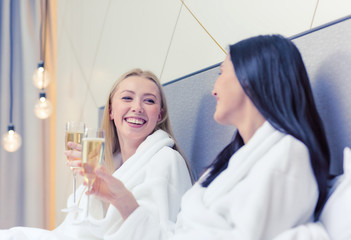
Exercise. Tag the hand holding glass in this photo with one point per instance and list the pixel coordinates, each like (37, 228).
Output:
(74, 133)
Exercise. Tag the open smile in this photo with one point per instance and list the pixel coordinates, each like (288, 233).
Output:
(135, 120)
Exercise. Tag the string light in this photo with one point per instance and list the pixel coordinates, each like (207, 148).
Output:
(41, 77)
(43, 107)
(11, 141)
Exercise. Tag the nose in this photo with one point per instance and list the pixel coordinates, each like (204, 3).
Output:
(214, 93)
(137, 107)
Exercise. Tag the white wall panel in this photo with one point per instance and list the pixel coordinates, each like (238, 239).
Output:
(192, 49)
(330, 10)
(232, 20)
(98, 40)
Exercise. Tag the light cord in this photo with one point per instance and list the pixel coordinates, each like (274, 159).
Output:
(203, 27)
(11, 60)
(314, 14)
(170, 43)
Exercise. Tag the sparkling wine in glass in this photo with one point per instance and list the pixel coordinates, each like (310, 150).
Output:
(74, 133)
(92, 154)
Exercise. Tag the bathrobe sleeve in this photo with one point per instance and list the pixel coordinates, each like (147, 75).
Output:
(165, 180)
(277, 193)
(309, 231)
(335, 219)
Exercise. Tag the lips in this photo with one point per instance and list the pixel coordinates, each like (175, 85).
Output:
(135, 120)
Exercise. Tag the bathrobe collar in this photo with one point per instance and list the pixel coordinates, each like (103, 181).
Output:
(242, 161)
(152, 144)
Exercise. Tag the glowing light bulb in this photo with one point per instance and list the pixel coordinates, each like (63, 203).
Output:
(11, 141)
(41, 77)
(43, 107)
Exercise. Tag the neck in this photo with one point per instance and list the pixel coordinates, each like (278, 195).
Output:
(247, 130)
(249, 124)
(128, 148)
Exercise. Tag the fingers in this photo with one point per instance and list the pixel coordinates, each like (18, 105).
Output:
(105, 175)
(94, 189)
(74, 146)
(74, 163)
(80, 171)
(73, 154)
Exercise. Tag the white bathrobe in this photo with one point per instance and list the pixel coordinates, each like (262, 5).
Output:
(268, 187)
(156, 175)
(335, 220)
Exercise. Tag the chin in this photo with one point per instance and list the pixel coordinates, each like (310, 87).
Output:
(217, 118)
(221, 120)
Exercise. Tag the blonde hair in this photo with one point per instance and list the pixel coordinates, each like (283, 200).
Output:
(112, 146)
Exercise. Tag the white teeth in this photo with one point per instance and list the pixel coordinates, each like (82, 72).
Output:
(135, 120)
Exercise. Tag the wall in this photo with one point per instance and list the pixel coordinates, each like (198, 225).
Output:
(99, 40)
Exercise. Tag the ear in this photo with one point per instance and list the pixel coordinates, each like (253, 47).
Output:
(160, 115)
(111, 114)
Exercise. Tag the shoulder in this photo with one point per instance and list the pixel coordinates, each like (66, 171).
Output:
(291, 146)
(169, 166)
(164, 156)
(167, 157)
(288, 156)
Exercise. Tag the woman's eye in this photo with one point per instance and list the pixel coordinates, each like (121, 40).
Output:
(127, 98)
(150, 101)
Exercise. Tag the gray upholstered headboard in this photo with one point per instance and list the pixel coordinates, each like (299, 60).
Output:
(327, 54)
(326, 51)
(191, 107)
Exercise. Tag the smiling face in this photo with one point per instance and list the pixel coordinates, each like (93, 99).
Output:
(135, 108)
(231, 98)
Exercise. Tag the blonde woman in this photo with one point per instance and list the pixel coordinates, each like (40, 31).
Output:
(140, 151)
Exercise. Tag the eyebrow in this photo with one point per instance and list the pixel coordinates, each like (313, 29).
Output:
(146, 94)
(129, 91)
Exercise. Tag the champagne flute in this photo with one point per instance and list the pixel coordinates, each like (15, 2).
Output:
(74, 133)
(92, 155)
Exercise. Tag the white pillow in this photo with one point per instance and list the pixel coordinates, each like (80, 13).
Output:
(336, 215)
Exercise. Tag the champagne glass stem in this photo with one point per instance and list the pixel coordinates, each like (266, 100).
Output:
(74, 186)
(88, 200)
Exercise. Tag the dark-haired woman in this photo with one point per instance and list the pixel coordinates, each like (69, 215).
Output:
(271, 177)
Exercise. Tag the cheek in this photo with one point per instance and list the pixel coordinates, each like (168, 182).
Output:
(117, 116)
(119, 109)
(155, 114)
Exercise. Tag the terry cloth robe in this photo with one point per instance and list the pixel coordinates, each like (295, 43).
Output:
(157, 176)
(335, 220)
(267, 188)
